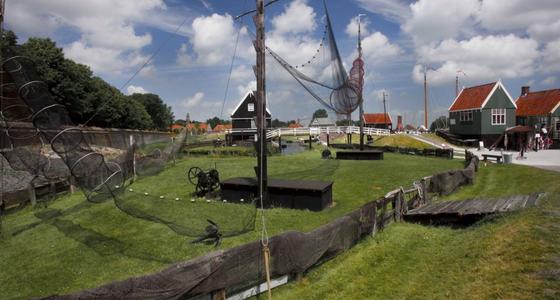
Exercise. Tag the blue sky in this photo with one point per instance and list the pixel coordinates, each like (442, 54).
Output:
(515, 41)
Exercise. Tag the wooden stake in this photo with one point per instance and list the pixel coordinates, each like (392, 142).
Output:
(266, 252)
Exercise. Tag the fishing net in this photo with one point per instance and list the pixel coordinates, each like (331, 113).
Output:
(104, 164)
(344, 90)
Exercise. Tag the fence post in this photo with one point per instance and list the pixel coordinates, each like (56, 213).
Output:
(32, 196)
(397, 207)
(374, 219)
(72, 185)
(425, 199)
(133, 157)
(310, 139)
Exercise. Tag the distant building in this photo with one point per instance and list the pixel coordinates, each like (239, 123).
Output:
(482, 112)
(378, 120)
(400, 126)
(221, 127)
(177, 127)
(198, 128)
(540, 109)
(322, 122)
(243, 118)
(294, 125)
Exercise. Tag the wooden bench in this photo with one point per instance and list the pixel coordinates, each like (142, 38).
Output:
(497, 157)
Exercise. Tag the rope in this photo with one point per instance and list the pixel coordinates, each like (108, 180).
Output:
(154, 54)
(230, 71)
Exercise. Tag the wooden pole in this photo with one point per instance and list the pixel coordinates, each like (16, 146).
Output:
(361, 99)
(425, 99)
(260, 72)
(32, 196)
(310, 148)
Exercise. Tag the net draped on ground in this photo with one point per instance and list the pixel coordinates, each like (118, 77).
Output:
(291, 252)
(54, 149)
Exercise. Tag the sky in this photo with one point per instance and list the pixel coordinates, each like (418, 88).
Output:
(193, 43)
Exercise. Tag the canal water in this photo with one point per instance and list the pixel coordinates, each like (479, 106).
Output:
(292, 148)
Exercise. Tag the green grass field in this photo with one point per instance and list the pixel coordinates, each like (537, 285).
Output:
(73, 245)
(513, 256)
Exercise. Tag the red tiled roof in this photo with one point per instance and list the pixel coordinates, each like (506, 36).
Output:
(176, 126)
(377, 118)
(538, 103)
(472, 97)
(294, 125)
(222, 127)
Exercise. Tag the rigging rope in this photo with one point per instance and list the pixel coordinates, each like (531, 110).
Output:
(230, 71)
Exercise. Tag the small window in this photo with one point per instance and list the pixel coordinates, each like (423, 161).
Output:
(498, 116)
(251, 107)
(465, 116)
(557, 125)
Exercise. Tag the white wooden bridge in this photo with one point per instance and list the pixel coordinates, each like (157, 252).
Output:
(314, 131)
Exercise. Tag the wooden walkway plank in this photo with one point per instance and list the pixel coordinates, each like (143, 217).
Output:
(473, 207)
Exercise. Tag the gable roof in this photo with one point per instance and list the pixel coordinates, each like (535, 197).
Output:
(294, 125)
(538, 103)
(176, 126)
(243, 99)
(377, 118)
(321, 122)
(473, 97)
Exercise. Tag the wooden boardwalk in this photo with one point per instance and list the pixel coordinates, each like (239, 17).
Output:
(468, 211)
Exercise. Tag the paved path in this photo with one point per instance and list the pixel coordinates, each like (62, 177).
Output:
(543, 159)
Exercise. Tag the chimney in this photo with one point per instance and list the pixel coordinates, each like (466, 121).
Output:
(399, 123)
(525, 90)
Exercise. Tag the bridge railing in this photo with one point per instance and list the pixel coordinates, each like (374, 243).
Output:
(272, 133)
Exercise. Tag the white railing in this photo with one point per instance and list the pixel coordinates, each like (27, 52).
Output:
(272, 133)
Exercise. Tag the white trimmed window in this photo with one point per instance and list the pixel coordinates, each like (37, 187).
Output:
(465, 116)
(251, 106)
(498, 116)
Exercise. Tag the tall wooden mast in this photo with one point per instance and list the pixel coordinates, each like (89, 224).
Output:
(260, 70)
(361, 99)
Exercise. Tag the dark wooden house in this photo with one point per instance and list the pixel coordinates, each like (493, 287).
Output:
(243, 118)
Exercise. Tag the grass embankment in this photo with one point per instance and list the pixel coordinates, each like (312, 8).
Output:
(92, 244)
(513, 256)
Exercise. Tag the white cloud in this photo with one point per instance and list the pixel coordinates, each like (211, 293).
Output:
(298, 17)
(395, 10)
(352, 27)
(433, 20)
(550, 80)
(183, 56)
(481, 58)
(134, 89)
(242, 73)
(200, 108)
(518, 14)
(109, 40)
(377, 48)
(551, 57)
(213, 39)
(243, 89)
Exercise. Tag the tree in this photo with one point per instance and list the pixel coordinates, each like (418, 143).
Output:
(276, 123)
(439, 123)
(216, 121)
(320, 113)
(180, 122)
(9, 39)
(161, 114)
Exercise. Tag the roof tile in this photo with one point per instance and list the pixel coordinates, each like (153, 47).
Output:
(537, 103)
(472, 97)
